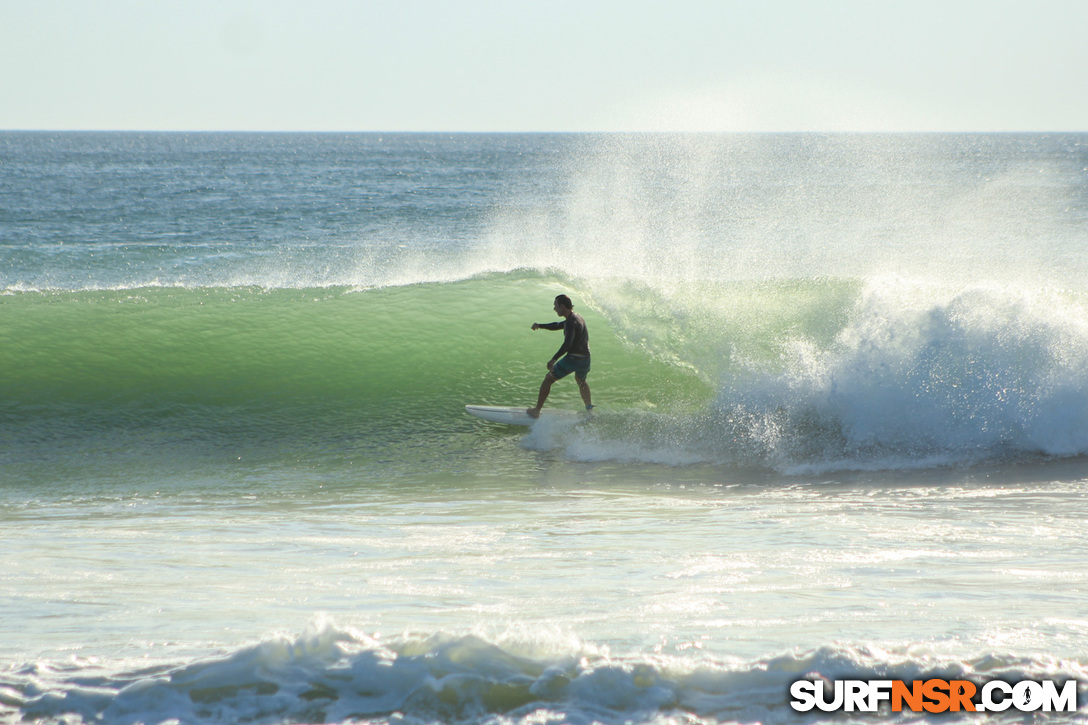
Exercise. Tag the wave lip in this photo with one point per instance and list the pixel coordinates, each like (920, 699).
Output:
(906, 377)
(980, 374)
(335, 675)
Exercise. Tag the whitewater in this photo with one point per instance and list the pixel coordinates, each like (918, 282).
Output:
(841, 425)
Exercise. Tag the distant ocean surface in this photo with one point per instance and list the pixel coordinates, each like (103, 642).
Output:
(841, 425)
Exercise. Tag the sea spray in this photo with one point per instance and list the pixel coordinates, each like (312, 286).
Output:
(914, 376)
(676, 210)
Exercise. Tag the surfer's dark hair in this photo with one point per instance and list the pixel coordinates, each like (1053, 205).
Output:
(565, 301)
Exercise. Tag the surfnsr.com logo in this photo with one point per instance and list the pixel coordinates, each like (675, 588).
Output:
(933, 695)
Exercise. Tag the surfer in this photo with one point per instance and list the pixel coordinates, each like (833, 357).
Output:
(573, 356)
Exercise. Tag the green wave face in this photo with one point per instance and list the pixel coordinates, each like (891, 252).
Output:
(296, 369)
(789, 375)
(440, 344)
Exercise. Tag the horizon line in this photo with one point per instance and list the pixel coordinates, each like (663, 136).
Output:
(586, 132)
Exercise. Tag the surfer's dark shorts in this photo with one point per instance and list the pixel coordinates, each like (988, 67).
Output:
(567, 365)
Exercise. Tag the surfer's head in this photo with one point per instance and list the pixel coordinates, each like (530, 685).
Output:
(563, 305)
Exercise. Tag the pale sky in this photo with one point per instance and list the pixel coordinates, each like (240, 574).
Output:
(545, 65)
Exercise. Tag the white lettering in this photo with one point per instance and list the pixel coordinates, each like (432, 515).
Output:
(804, 698)
(988, 702)
(1027, 696)
(821, 700)
(1064, 701)
(879, 690)
(856, 696)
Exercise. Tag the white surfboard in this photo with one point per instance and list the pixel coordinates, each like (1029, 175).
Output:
(511, 415)
(501, 414)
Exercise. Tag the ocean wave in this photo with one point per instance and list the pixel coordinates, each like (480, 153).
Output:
(906, 376)
(795, 376)
(331, 674)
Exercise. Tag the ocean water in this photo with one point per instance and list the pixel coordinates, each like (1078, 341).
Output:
(841, 424)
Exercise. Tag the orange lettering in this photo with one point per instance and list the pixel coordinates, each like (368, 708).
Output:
(961, 692)
(912, 696)
(934, 690)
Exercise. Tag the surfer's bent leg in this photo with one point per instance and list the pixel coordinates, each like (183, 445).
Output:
(545, 388)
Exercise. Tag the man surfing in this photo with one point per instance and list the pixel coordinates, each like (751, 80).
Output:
(573, 356)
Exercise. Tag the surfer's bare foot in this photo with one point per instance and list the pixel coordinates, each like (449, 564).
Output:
(533, 412)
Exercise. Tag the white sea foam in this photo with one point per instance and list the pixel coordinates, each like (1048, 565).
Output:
(329, 674)
(916, 376)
